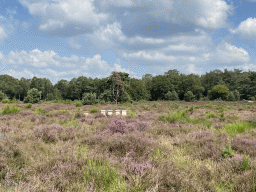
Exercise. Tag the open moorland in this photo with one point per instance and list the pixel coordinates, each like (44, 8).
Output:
(158, 146)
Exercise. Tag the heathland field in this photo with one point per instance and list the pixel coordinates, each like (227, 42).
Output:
(158, 146)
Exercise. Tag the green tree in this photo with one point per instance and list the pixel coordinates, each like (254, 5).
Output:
(189, 96)
(237, 95)
(220, 91)
(106, 96)
(187, 83)
(24, 85)
(231, 96)
(159, 87)
(33, 96)
(89, 99)
(126, 98)
(172, 96)
(117, 86)
(54, 95)
(209, 80)
(137, 90)
(62, 86)
(171, 73)
(8, 85)
(3, 96)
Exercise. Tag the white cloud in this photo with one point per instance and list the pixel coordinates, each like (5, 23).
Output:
(181, 39)
(1, 56)
(246, 29)
(63, 16)
(229, 54)
(2, 34)
(43, 61)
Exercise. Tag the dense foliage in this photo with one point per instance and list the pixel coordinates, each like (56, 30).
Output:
(227, 85)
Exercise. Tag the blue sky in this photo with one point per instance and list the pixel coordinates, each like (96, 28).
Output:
(65, 39)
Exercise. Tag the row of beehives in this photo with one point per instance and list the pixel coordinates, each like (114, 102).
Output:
(110, 112)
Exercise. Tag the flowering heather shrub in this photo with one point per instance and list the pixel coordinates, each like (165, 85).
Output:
(239, 163)
(243, 145)
(100, 115)
(78, 115)
(205, 176)
(172, 179)
(6, 129)
(143, 169)
(120, 126)
(88, 121)
(202, 145)
(201, 134)
(245, 182)
(6, 117)
(49, 135)
(129, 145)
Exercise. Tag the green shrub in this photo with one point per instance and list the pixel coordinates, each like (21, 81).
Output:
(67, 101)
(219, 99)
(189, 96)
(28, 105)
(252, 98)
(5, 101)
(228, 152)
(102, 102)
(142, 101)
(78, 104)
(125, 97)
(231, 96)
(172, 96)
(204, 99)
(106, 96)
(237, 95)
(14, 100)
(3, 96)
(220, 91)
(93, 110)
(89, 99)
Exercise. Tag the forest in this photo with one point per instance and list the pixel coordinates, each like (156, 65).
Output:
(215, 85)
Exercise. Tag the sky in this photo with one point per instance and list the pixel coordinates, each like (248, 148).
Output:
(65, 39)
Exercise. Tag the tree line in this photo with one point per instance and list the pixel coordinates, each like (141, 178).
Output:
(227, 85)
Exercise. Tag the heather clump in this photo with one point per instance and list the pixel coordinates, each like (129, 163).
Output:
(239, 163)
(52, 134)
(243, 145)
(88, 121)
(100, 115)
(118, 125)
(173, 179)
(131, 147)
(203, 145)
(12, 161)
